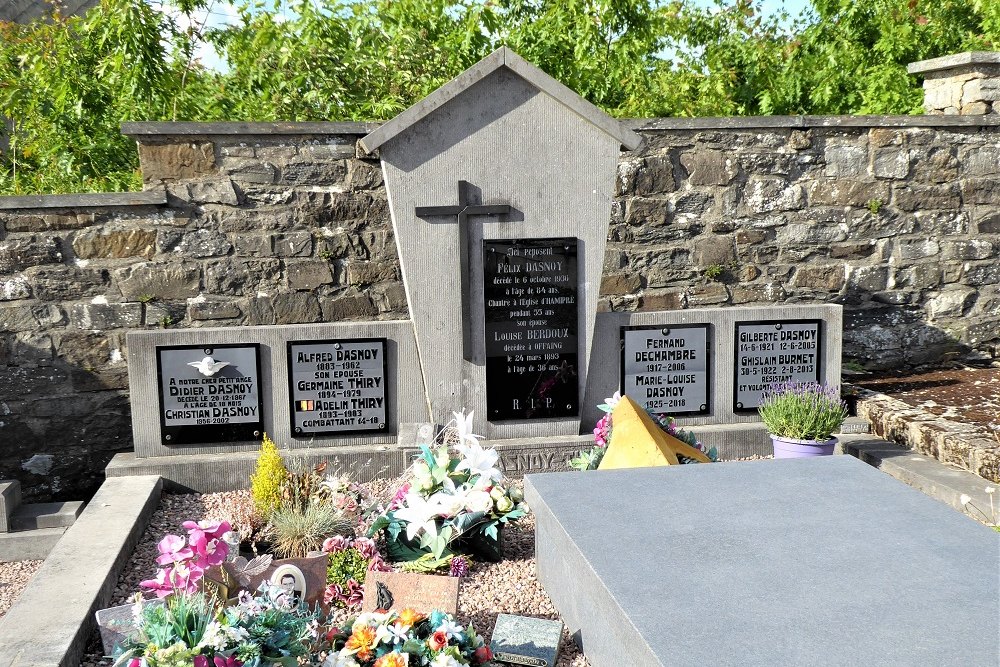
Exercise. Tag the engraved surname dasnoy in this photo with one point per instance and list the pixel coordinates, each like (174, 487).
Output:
(520, 659)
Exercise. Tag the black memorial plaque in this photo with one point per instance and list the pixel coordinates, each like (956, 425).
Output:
(337, 386)
(530, 289)
(209, 393)
(773, 352)
(665, 368)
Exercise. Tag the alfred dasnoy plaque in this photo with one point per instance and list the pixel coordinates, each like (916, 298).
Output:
(665, 369)
(529, 289)
(209, 394)
(772, 352)
(337, 386)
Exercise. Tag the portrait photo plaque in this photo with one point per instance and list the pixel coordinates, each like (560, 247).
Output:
(666, 368)
(209, 393)
(772, 352)
(530, 300)
(337, 386)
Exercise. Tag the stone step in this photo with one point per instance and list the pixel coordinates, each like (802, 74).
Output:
(34, 516)
(10, 499)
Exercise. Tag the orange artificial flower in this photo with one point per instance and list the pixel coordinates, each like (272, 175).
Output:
(438, 640)
(410, 617)
(361, 642)
(393, 659)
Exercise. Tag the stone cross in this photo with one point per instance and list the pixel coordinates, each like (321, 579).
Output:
(463, 210)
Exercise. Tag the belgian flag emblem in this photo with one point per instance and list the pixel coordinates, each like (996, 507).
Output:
(305, 406)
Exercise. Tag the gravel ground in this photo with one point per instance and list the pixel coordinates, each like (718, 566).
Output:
(14, 576)
(489, 589)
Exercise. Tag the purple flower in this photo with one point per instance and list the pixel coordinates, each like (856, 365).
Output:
(459, 566)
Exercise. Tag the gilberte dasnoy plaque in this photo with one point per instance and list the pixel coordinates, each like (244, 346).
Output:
(531, 311)
(665, 368)
(772, 352)
(337, 386)
(209, 393)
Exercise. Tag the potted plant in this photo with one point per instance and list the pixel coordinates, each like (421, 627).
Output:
(802, 417)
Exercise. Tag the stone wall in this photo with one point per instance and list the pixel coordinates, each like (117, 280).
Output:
(898, 219)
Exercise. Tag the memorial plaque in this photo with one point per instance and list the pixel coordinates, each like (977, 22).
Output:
(772, 352)
(665, 369)
(401, 590)
(117, 624)
(530, 290)
(209, 394)
(337, 386)
(523, 640)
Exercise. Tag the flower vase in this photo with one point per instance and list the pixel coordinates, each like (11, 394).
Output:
(790, 448)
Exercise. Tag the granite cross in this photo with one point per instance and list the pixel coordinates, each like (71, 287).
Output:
(463, 210)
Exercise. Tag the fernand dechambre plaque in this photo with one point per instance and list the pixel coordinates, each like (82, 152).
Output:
(665, 368)
(773, 352)
(531, 314)
(337, 386)
(209, 393)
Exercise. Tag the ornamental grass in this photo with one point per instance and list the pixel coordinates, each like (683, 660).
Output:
(803, 410)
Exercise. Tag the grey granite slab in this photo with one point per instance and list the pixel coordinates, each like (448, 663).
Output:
(787, 562)
(523, 640)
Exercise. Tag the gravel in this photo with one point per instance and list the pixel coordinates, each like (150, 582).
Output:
(489, 589)
(14, 576)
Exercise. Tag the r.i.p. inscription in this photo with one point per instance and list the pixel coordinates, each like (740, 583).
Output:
(531, 312)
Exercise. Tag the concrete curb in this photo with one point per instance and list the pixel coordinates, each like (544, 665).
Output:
(51, 621)
(966, 446)
(28, 544)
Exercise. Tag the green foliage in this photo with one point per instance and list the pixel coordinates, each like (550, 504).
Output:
(802, 411)
(875, 205)
(345, 565)
(295, 532)
(266, 482)
(714, 271)
(67, 83)
(588, 459)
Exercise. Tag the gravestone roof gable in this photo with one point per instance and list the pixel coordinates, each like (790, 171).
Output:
(502, 57)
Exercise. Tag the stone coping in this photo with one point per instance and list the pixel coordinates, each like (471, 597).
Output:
(953, 61)
(52, 620)
(154, 197)
(167, 129)
(967, 446)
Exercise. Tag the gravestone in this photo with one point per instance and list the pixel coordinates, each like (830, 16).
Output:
(115, 624)
(404, 590)
(801, 562)
(522, 640)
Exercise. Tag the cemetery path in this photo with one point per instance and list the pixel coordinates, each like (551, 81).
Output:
(961, 394)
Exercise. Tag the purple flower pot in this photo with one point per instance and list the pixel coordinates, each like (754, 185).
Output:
(789, 448)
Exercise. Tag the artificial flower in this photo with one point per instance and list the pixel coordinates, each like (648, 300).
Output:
(362, 641)
(477, 500)
(463, 424)
(336, 543)
(438, 640)
(341, 659)
(394, 659)
(458, 567)
(410, 617)
(173, 549)
(420, 515)
(452, 629)
(483, 654)
(445, 660)
(479, 461)
(162, 585)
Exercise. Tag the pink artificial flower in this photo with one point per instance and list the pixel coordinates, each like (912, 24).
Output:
(231, 661)
(162, 585)
(212, 529)
(399, 497)
(135, 662)
(200, 661)
(350, 595)
(335, 544)
(378, 565)
(173, 549)
(366, 547)
(208, 552)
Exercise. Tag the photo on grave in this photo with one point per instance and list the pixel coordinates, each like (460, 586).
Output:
(531, 315)
(667, 368)
(337, 387)
(209, 393)
(291, 581)
(772, 352)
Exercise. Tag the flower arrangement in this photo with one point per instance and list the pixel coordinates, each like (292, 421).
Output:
(406, 638)
(258, 631)
(802, 411)
(589, 459)
(350, 562)
(185, 560)
(451, 499)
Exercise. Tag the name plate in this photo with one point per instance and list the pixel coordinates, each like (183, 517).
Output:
(337, 386)
(523, 640)
(773, 352)
(665, 368)
(209, 393)
(530, 296)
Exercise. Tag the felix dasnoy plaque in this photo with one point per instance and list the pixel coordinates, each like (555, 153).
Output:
(209, 393)
(531, 311)
(337, 386)
(665, 368)
(772, 352)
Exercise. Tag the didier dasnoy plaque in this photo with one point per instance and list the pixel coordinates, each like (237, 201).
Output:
(337, 386)
(773, 352)
(209, 393)
(665, 368)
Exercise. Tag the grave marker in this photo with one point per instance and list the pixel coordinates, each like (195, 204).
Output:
(403, 590)
(116, 623)
(666, 369)
(773, 352)
(522, 640)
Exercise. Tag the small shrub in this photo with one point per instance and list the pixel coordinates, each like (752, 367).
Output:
(266, 482)
(875, 205)
(294, 534)
(301, 487)
(714, 271)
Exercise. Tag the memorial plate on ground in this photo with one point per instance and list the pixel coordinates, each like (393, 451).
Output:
(666, 368)
(531, 311)
(773, 352)
(209, 393)
(337, 386)
(523, 640)
(401, 590)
